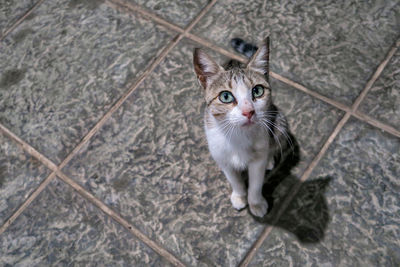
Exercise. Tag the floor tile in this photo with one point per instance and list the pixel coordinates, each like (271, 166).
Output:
(20, 175)
(11, 11)
(151, 163)
(64, 68)
(178, 12)
(383, 100)
(62, 229)
(330, 47)
(347, 213)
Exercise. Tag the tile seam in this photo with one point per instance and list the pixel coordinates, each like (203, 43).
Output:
(159, 249)
(20, 20)
(375, 76)
(43, 184)
(81, 191)
(306, 174)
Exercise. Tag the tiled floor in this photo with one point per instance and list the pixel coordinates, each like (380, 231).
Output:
(103, 158)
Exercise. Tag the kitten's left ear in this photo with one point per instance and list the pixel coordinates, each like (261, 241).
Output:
(205, 67)
(259, 62)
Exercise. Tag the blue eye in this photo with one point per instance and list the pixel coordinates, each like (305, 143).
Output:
(258, 91)
(226, 97)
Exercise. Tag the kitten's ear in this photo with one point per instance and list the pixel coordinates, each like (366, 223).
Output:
(205, 67)
(260, 60)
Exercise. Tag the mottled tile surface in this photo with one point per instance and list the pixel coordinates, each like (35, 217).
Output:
(383, 100)
(348, 212)
(11, 11)
(63, 69)
(178, 12)
(20, 175)
(151, 163)
(65, 66)
(60, 228)
(329, 46)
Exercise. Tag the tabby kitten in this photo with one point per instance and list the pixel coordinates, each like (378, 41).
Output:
(244, 129)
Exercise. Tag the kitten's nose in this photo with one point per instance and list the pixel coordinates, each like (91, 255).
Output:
(248, 114)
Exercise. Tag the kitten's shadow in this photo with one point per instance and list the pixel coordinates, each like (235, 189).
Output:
(307, 214)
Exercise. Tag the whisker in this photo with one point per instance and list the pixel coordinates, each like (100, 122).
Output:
(274, 135)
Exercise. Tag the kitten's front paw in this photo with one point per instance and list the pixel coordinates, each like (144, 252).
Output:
(238, 202)
(259, 209)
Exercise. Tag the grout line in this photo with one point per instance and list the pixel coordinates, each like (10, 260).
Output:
(20, 20)
(111, 213)
(25, 146)
(85, 194)
(374, 77)
(27, 202)
(48, 163)
(353, 111)
(300, 87)
(387, 128)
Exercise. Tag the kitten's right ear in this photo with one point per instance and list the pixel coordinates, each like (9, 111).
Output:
(205, 67)
(260, 60)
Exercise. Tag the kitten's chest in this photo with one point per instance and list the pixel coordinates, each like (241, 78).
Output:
(236, 151)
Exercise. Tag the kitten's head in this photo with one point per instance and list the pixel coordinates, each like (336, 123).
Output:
(239, 96)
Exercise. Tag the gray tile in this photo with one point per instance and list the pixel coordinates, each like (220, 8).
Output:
(11, 11)
(151, 163)
(62, 229)
(383, 100)
(20, 175)
(331, 47)
(348, 212)
(178, 12)
(64, 68)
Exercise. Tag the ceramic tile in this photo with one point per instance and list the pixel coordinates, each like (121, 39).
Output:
(180, 13)
(347, 213)
(20, 175)
(382, 101)
(62, 229)
(64, 68)
(11, 11)
(151, 163)
(330, 47)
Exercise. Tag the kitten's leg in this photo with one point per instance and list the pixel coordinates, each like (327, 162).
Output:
(238, 197)
(258, 205)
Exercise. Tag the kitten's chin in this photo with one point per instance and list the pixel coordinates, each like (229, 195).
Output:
(248, 124)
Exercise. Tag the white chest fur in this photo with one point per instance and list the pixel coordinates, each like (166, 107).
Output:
(238, 149)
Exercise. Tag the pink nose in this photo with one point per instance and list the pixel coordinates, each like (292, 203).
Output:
(248, 114)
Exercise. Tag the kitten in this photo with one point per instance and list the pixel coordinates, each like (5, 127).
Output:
(244, 130)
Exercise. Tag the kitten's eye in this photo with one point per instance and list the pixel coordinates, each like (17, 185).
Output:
(226, 97)
(258, 91)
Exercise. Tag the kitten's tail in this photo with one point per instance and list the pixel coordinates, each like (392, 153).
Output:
(243, 48)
